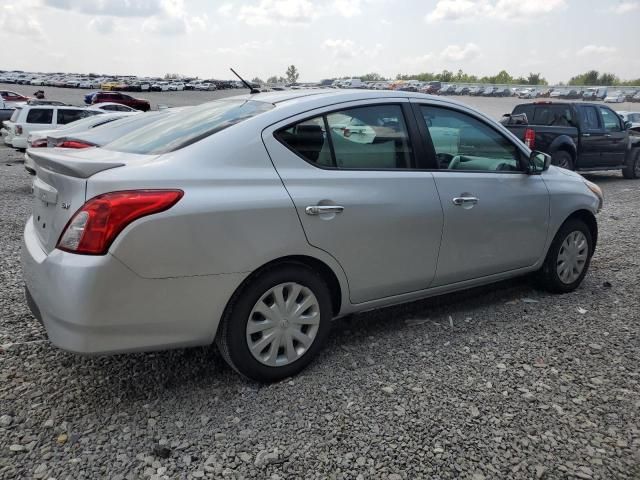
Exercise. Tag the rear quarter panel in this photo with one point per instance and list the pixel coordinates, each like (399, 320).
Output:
(235, 215)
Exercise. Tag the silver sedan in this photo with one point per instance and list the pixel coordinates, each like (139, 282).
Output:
(254, 221)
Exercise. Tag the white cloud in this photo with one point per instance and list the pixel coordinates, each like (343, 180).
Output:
(595, 50)
(286, 12)
(116, 8)
(626, 7)
(104, 25)
(343, 49)
(457, 53)
(500, 9)
(242, 49)
(226, 9)
(294, 12)
(16, 21)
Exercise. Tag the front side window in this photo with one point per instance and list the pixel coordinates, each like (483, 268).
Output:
(40, 115)
(611, 120)
(462, 142)
(373, 137)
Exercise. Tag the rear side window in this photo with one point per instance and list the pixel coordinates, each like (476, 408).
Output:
(40, 115)
(68, 116)
(188, 126)
(526, 109)
(371, 138)
(589, 117)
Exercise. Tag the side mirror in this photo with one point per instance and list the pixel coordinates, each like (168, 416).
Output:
(627, 125)
(538, 162)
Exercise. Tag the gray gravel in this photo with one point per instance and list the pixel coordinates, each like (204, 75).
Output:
(500, 382)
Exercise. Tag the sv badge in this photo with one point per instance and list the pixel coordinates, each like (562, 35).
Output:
(66, 205)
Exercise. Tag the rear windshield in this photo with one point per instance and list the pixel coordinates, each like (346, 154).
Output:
(188, 126)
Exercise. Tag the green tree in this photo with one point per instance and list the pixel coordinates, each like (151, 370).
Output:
(292, 74)
(273, 79)
(536, 79)
(608, 79)
(257, 80)
(371, 77)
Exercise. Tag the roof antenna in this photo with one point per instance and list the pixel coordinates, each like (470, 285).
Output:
(246, 84)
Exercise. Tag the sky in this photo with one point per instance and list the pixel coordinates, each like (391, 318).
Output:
(323, 38)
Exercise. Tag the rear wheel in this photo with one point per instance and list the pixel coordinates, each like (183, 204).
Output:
(562, 159)
(568, 258)
(632, 169)
(276, 324)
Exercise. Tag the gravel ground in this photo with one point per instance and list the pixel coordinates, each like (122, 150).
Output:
(499, 382)
(495, 107)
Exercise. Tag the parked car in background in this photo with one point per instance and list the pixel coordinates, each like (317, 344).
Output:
(269, 303)
(122, 98)
(10, 97)
(109, 86)
(160, 87)
(557, 93)
(47, 138)
(578, 136)
(113, 107)
(27, 118)
(527, 93)
(7, 109)
(176, 86)
(205, 86)
(632, 117)
(615, 97)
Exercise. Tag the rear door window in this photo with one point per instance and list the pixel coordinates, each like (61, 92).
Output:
(40, 115)
(371, 138)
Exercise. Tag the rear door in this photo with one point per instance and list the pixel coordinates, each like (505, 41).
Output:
(614, 147)
(496, 216)
(349, 171)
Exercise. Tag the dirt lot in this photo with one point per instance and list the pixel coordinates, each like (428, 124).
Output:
(500, 382)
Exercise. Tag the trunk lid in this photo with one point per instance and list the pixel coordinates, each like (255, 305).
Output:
(60, 185)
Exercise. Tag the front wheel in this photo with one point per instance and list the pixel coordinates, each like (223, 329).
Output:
(632, 169)
(568, 258)
(276, 324)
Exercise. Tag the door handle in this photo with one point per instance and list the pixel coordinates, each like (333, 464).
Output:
(586, 134)
(465, 200)
(320, 209)
(607, 135)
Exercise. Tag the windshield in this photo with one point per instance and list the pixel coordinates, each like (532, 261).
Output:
(188, 126)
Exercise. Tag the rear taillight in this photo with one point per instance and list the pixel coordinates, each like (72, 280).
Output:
(96, 225)
(530, 138)
(73, 144)
(41, 142)
(18, 129)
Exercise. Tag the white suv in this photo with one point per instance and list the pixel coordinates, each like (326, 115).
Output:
(30, 118)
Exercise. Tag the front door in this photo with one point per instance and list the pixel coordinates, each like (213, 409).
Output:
(349, 172)
(496, 217)
(592, 137)
(615, 147)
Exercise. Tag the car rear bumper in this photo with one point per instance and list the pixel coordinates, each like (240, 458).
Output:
(96, 304)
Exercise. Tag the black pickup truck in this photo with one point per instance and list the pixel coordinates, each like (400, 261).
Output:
(578, 136)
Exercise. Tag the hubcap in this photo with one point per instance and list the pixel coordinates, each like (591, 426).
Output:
(283, 324)
(572, 257)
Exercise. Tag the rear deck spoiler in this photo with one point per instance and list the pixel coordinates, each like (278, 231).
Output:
(70, 166)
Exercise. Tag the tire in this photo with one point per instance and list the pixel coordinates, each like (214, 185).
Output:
(548, 277)
(562, 159)
(233, 340)
(632, 169)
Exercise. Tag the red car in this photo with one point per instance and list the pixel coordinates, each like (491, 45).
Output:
(8, 96)
(121, 98)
